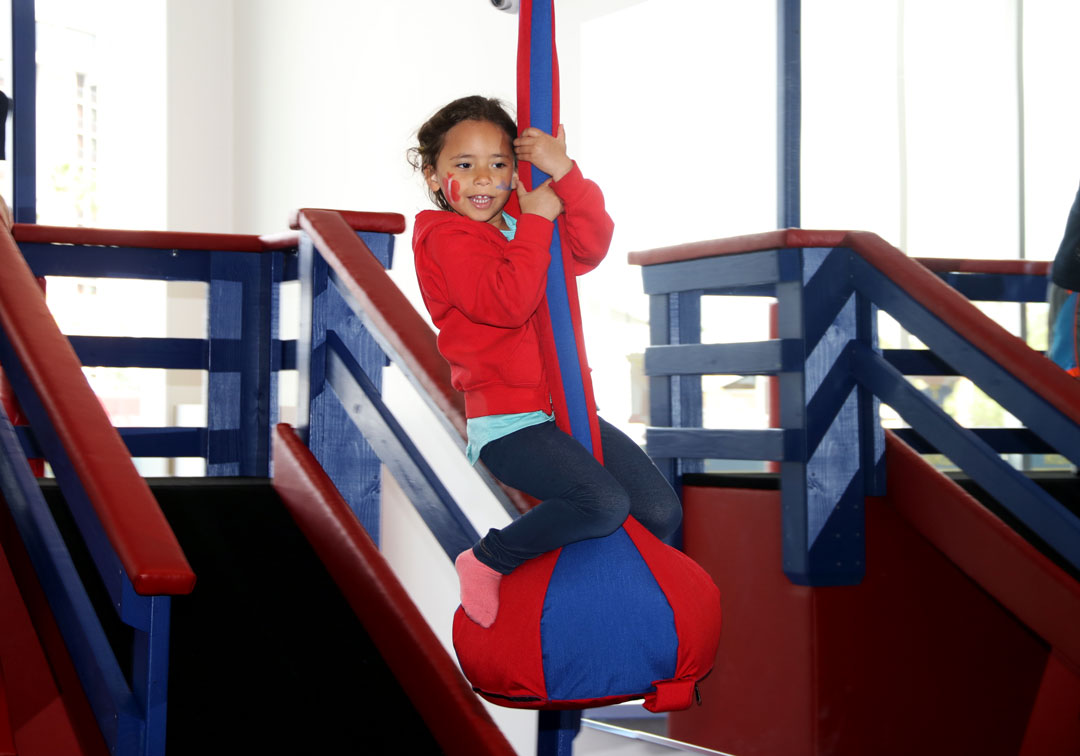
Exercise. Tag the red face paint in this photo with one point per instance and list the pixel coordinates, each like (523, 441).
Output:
(452, 188)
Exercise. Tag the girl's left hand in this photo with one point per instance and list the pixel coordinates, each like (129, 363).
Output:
(546, 152)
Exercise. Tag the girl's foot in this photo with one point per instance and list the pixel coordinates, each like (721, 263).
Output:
(479, 588)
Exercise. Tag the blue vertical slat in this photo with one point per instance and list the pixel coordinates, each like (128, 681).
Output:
(330, 432)
(789, 112)
(381, 245)
(270, 365)
(224, 317)
(873, 441)
(687, 410)
(361, 400)
(150, 674)
(660, 410)
(310, 360)
(24, 110)
(556, 732)
(242, 314)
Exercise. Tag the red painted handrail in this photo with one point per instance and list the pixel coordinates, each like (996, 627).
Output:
(427, 674)
(798, 237)
(1038, 372)
(115, 237)
(383, 223)
(1039, 268)
(387, 223)
(784, 238)
(127, 510)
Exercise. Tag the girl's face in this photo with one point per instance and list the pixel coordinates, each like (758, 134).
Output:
(475, 171)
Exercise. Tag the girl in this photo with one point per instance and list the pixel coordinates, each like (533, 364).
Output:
(482, 261)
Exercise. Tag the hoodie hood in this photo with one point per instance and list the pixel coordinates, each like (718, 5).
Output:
(426, 220)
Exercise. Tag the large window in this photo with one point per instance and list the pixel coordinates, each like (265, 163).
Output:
(100, 163)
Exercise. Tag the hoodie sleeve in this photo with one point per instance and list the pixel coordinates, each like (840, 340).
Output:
(588, 226)
(491, 282)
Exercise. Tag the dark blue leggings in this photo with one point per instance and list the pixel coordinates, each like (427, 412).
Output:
(579, 497)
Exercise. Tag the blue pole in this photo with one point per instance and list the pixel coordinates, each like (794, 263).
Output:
(788, 112)
(557, 730)
(24, 110)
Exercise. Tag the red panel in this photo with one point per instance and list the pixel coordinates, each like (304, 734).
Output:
(7, 739)
(122, 500)
(1004, 564)
(918, 658)
(758, 699)
(1054, 729)
(64, 676)
(38, 721)
(426, 672)
(918, 654)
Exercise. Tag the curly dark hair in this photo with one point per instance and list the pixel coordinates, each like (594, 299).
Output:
(432, 135)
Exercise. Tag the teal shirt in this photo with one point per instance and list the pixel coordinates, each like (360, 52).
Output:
(484, 430)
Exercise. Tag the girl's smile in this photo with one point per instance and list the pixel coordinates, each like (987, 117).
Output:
(475, 171)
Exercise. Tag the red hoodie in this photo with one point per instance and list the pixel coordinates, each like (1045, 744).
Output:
(483, 292)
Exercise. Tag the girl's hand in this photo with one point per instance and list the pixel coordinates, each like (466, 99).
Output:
(546, 152)
(540, 201)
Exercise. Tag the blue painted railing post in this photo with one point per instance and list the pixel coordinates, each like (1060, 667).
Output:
(150, 673)
(823, 487)
(556, 732)
(675, 401)
(325, 424)
(789, 112)
(872, 433)
(242, 385)
(24, 110)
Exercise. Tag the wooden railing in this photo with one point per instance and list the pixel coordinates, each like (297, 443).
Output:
(832, 375)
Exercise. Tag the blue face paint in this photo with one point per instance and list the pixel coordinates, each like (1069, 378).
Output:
(503, 187)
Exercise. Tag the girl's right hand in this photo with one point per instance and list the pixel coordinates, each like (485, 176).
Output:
(540, 201)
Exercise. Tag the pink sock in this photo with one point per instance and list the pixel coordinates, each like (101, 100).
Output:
(479, 588)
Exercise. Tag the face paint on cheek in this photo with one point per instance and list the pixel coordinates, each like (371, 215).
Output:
(503, 187)
(453, 188)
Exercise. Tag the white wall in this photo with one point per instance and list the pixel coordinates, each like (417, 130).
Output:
(132, 194)
(329, 95)
(199, 117)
